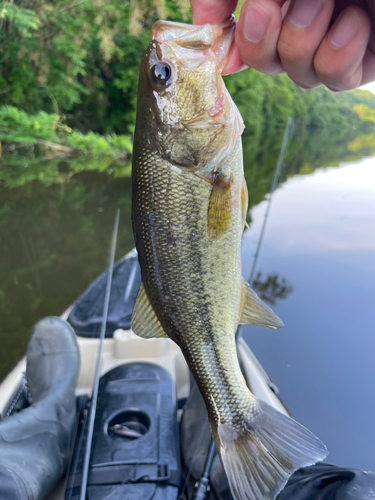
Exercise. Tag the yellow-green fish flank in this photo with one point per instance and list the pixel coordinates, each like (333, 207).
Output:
(189, 207)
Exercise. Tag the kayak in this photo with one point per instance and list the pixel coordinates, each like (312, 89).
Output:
(151, 435)
(131, 358)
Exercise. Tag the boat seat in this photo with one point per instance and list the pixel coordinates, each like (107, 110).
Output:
(87, 312)
(135, 448)
(35, 443)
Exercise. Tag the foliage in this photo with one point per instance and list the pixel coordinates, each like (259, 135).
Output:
(18, 126)
(365, 113)
(78, 59)
(23, 20)
(47, 131)
(69, 68)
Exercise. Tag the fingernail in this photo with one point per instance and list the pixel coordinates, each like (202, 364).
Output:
(347, 26)
(255, 24)
(304, 12)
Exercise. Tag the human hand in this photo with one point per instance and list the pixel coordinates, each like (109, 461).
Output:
(330, 42)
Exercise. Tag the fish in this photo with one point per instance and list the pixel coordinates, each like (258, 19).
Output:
(189, 205)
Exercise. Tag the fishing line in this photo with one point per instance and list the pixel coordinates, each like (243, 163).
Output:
(94, 398)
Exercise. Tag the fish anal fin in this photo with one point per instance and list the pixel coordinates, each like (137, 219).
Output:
(244, 201)
(255, 311)
(144, 322)
(219, 207)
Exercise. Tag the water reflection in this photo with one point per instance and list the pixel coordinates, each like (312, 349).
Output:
(55, 226)
(20, 170)
(56, 216)
(363, 143)
(320, 234)
(271, 287)
(54, 240)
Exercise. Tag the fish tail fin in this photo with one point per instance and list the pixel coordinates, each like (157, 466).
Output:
(259, 458)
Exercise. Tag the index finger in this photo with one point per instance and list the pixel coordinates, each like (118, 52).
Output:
(212, 11)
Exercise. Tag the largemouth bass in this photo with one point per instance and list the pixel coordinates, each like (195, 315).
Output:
(189, 209)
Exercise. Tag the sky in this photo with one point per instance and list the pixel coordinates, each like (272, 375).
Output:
(370, 87)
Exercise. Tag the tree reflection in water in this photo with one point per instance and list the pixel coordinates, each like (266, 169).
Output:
(271, 288)
(56, 218)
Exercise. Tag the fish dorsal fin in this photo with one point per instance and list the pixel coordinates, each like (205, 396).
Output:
(144, 322)
(219, 207)
(255, 311)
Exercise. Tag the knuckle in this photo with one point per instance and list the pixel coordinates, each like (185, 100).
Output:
(338, 77)
(291, 50)
(307, 86)
(340, 86)
(328, 69)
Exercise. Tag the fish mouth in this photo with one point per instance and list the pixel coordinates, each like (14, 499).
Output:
(217, 38)
(189, 46)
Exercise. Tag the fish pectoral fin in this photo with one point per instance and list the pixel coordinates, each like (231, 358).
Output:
(255, 311)
(244, 201)
(219, 207)
(144, 322)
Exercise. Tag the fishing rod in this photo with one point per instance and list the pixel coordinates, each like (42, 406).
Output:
(94, 399)
(202, 487)
(275, 180)
(280, 160)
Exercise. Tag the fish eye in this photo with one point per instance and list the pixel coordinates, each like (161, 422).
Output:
(160, 74)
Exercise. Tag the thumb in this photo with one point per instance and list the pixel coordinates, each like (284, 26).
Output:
(212, 11)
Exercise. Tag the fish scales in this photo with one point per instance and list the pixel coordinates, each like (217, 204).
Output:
(189, 206)
(194, 282)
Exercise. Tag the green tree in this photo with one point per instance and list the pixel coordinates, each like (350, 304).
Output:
(77, 59)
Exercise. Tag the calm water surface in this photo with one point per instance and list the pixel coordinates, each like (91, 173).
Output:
(320, 237)
(316, 267)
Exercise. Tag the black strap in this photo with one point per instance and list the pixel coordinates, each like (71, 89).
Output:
(123, 474)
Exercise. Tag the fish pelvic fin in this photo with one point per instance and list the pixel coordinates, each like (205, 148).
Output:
(144, 321)
(255, 311)
(259, 459)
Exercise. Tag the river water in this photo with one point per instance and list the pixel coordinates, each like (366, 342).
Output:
(320, 239)
(316, 267)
